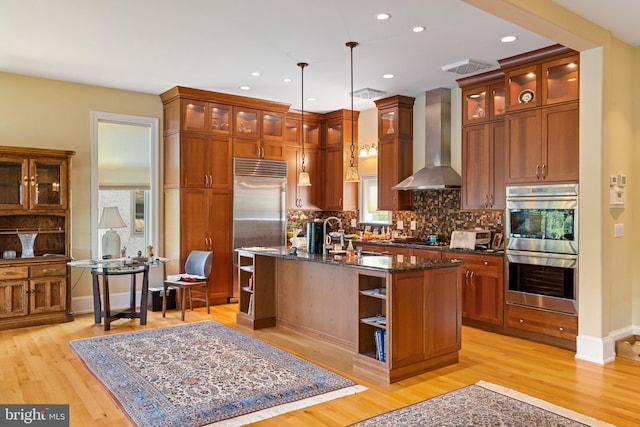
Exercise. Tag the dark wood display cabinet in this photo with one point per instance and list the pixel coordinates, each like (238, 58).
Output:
(483, 108)
(308, 198)
(395, 150)
(542, 120)
(35, 203)
(340, 195)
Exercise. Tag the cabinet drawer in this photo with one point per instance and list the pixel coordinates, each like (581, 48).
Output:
(477, 262)
(8, 273)
(543, 322)
(48, 270)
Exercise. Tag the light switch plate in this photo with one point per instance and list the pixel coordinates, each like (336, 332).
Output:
(400, 225)
(618, 230)
(413, 225)
(354, 223)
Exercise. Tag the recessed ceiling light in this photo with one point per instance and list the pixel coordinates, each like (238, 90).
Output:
(256, 74)
(508, 39)
(286, 80)
(388, 76)
(383, 16)
(418, 29)
(245, 88)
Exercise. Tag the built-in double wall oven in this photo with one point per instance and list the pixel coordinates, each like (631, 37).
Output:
(542, 246)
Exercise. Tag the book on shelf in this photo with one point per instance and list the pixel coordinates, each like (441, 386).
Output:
(380, 336)
(251, 283)
(250, 306)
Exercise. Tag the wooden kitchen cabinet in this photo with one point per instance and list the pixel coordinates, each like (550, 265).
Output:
(483, 185)
(257, 297)
(482, 287)
(308, 198)
(340, 195)
(258, 149)
(542, 145)
(554, 324)
(200, 219)
(395, 150)
(483, 109)
(34, 289)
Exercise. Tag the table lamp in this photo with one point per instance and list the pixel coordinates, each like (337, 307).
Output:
(111, 240)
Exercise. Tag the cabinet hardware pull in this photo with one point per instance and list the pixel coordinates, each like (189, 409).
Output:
(49, 270)
(561, 329)
(521, 321)
(538, 171)
(340, 202)
(491, 201)
(544, 171)
(8, 273)
(33, 181)
(486, 263)
(25, 180)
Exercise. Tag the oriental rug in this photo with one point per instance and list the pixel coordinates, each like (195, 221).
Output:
(482, 404)
(204, 373)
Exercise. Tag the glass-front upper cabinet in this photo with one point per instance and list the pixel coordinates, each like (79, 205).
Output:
(497, 92)
(523, 88)
(291, 134)
(46, 183)
(12, 173)
(272, 125)
(560, 82)
(475, 105)
(246, 122)
(312, 133)
(220, 118)
(334, 132)
(387, 122)
(194, 115)
(32, 183)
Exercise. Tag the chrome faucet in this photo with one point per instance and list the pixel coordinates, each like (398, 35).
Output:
(327, 238)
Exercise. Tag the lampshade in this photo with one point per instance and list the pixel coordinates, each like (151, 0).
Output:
(303, 180)
(373, 151)
(111, 218)
(351, 174)
(111, 240)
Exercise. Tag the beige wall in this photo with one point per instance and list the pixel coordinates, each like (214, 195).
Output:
(53, 114)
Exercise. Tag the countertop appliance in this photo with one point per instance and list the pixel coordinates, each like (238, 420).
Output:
(542, 246)
(259, 210)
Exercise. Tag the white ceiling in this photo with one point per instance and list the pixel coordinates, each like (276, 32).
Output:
(152, 45)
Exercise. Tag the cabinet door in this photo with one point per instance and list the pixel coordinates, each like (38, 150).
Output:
(47, 184)
(247, 148)
(497, 181)
(475, 105)
(195, 220)
(220, 282)
(245, 122)
(522, 88)
(444, 311)
(14, 182)
(293, 191)
(395, 163)
(523, 147)
(194, 115)
(272, 126)
(47, 294)
(334, 133)
(221, 162)
(484, 296)
(220, 122)
(311, 197)
(476, 169)
(409, 325)
(560, 81)
(195, 156)
(334, 178)
(13, 298)
(387, 123)
(560, 134)
(272, 150)
(497, 100)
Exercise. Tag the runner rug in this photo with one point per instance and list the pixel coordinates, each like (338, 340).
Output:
(482, 404)
(204, 373)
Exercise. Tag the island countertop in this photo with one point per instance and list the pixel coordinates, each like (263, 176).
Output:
(388, 263)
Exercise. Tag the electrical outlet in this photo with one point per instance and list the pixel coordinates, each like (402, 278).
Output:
(354, 223)
(400, 225)
(413, 225)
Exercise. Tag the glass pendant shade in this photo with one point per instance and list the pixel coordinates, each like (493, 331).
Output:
(304, 180)
(352, 175)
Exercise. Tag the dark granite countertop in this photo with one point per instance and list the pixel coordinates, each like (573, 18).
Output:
(387, 263)
(410, 245)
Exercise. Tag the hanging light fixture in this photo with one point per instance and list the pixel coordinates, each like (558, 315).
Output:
(352, 171)
(303, 180)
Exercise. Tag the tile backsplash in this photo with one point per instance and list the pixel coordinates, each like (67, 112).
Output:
(434, 211)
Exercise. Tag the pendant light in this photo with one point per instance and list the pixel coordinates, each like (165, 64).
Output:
(303, 180)
(352, 171)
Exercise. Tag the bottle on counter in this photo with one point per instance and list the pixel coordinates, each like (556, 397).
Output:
(350, 250)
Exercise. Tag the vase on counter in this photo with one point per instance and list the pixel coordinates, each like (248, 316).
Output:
(27, 240)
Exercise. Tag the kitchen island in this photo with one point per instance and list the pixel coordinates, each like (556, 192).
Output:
(399, 315)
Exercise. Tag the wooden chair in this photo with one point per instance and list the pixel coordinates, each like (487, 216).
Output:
(198, 264)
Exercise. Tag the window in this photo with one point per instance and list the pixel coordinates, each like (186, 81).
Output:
(125, 175)
(369, 213)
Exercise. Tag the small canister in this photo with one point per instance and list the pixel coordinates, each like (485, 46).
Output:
(9, 254)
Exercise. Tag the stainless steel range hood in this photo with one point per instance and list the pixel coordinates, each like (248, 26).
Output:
(437, 173)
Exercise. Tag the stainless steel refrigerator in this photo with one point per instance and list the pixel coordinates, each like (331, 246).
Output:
(259, 205)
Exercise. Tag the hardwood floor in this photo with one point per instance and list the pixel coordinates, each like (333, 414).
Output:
(38, 366)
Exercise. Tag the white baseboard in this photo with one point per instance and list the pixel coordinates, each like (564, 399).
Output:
(119, 301)
(602, 350)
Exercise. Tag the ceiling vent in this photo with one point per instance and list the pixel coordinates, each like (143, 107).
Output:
(466, 66)
(368, 93)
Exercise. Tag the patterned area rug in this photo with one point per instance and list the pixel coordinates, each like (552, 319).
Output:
(204, 373)
(482, 404)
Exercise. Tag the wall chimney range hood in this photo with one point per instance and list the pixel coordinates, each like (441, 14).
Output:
(437, 173)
